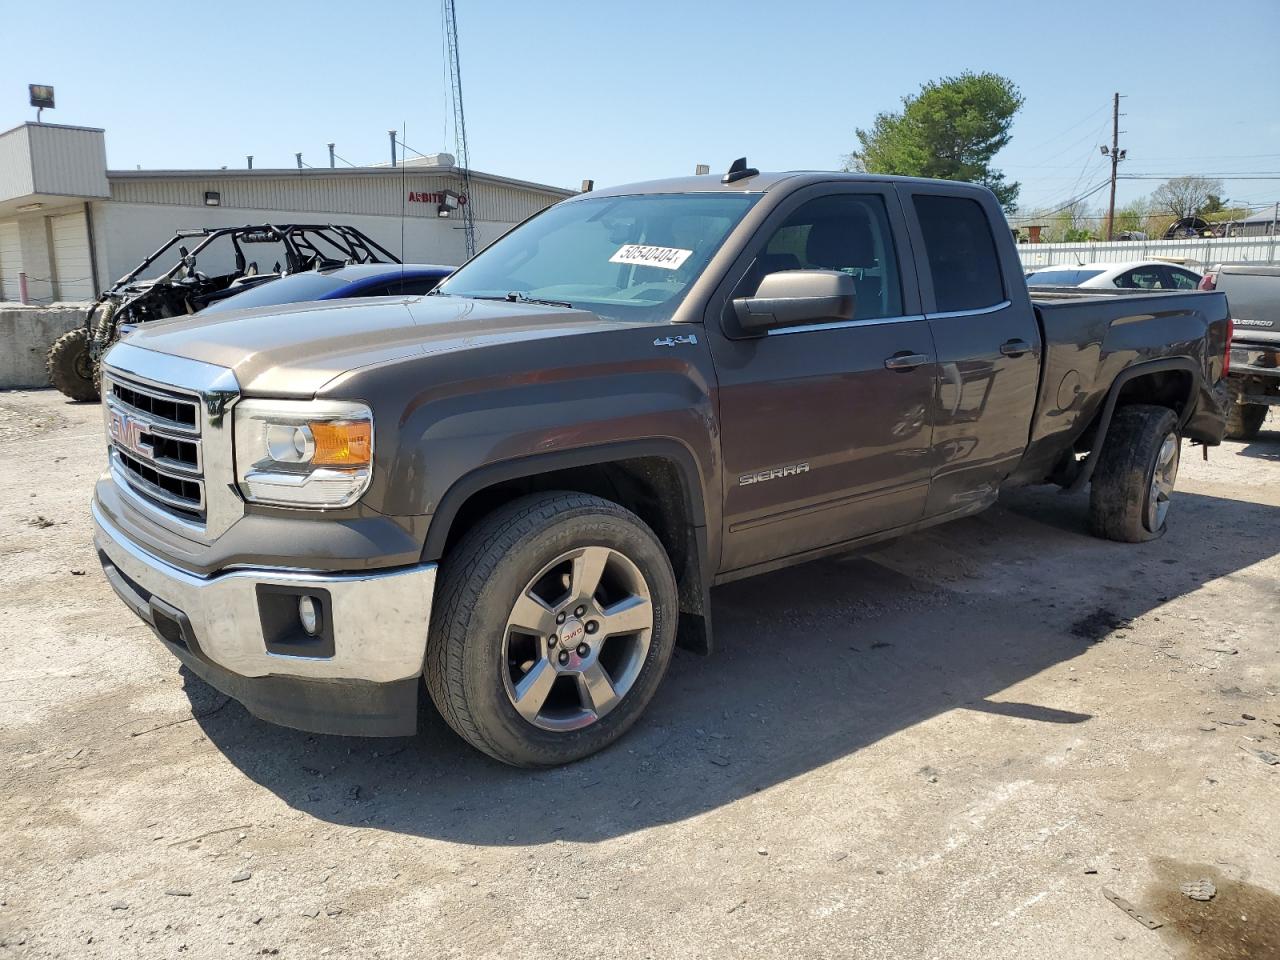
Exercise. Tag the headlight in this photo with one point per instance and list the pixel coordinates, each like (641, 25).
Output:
(303, 453)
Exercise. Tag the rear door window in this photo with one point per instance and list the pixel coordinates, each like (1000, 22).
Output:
(961, 253)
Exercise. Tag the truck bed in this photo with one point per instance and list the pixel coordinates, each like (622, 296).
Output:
(1090, 336)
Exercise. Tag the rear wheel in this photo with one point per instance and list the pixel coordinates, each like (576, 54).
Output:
(70, 367)
(1244, 420)
(554, 625)
(1133, 484)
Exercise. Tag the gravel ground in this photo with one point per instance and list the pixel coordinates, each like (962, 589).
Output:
(944, 748)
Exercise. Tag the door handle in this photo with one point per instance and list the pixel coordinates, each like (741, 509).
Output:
(1015, 348)
(904, 361)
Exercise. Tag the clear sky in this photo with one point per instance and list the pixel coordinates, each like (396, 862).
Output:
(561, 90)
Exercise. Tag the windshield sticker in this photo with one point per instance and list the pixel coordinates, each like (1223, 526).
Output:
(668, 258)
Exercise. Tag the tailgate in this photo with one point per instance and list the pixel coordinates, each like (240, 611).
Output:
(1253, 293)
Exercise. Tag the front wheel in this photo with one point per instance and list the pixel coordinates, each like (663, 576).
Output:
(554, 624)
(1130, 496)
(70, 367)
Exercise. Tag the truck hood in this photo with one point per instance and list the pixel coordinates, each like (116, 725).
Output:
(295, 350)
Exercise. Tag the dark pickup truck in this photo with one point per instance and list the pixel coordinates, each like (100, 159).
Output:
(523, 486)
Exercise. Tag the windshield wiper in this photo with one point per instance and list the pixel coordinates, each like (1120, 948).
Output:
(515, 296)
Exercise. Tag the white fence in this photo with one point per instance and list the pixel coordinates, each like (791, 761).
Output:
(1199, 252)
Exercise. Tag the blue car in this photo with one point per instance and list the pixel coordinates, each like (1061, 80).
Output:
(363, 280)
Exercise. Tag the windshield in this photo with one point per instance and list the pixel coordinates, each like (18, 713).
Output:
(296, 288)
(630, 258)
(1060, 278)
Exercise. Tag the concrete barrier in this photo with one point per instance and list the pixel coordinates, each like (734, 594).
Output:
(26, 334)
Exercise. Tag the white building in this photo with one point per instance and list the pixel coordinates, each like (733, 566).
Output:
(73, 227)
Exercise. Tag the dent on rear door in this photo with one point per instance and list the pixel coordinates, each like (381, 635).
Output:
(988, 348)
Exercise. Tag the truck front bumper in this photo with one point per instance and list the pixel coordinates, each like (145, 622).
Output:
(357, 674)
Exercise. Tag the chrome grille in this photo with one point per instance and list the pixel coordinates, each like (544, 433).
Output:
(156, 444)
(178, 411)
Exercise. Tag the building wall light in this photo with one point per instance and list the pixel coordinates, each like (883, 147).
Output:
(449, 202)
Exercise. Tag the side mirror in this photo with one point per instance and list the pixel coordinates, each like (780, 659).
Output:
(793, 297)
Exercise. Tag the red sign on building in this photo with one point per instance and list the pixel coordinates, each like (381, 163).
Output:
(416, 197)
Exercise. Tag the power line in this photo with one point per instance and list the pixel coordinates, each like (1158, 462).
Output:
(1086, 169)
(1067, 130)
(1091, 160)
(1221, 156)
(1091, 135)
(1203, 176)
(1074, 200)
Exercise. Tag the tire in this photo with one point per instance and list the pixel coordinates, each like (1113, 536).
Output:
(104, 335)
(70, 367)
(1125, 502)
(532, 562)
(1244, 420)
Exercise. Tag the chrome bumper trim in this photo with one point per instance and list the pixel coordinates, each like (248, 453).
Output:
(380, 619)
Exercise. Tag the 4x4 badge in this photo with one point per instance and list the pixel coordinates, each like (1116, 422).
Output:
(672, 341)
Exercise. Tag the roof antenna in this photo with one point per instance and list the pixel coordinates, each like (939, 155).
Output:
(738, 170)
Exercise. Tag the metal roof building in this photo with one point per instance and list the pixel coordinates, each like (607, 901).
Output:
(72, 226)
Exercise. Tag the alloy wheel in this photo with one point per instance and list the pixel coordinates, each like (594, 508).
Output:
(1162, 480)
(577, 638)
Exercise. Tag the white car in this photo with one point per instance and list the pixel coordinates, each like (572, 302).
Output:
(1133, 275)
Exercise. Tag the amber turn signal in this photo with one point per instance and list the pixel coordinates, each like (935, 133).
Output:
(342, 443)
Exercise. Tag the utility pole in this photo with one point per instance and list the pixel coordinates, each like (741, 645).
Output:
(1116, 156)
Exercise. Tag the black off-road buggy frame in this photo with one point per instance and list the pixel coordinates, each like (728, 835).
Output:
(183, 289)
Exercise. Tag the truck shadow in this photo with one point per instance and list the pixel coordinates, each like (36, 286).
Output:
(1266, 446)
(812, 664)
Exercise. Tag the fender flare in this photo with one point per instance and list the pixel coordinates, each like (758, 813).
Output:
(694, 631)
(502, 471)
(1172, 364)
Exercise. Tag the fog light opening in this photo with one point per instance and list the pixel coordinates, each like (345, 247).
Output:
(309, 614)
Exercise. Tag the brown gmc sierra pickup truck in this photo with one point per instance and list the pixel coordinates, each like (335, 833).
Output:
(522, 487)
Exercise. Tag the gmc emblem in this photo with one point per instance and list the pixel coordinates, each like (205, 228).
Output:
(129, 433)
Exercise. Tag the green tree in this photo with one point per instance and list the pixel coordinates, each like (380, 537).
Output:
(1133, 217)
(1187, 196)
(1216, 211)
(950, 130)
(1078, 235)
